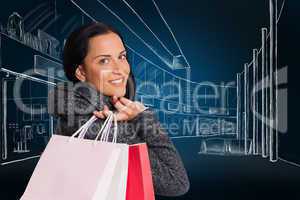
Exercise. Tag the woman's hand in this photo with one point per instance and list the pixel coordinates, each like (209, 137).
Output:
(127, 109)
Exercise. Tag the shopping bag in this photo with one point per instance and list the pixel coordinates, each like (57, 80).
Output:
(139, 181)
(74, 168)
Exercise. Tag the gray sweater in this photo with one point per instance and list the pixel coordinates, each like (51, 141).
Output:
(72, 106)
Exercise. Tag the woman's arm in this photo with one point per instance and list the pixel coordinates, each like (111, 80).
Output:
(169, 175)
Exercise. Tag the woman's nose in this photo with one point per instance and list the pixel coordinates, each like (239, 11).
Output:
(117, 67)
(116, 70)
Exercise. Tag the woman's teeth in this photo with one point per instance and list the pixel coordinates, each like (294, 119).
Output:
(117, 81)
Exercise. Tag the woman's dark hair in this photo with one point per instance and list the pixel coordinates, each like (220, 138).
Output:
(76, 49)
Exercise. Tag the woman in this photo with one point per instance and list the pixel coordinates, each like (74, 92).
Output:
(95, 60)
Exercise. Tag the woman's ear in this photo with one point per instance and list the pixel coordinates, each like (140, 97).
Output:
(80, 74)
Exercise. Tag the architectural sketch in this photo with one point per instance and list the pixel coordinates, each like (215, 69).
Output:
(226, 125)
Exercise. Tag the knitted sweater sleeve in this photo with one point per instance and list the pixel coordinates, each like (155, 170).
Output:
(168, 172)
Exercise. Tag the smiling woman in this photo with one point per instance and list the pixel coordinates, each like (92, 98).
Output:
(107, 59)
(95, 59)
(100, 59)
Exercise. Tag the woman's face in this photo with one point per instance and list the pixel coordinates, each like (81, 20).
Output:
(105, 65)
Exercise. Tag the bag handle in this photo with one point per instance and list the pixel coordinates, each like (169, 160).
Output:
(106, 131)
(86, 126)
(105, 128)
(91, 120)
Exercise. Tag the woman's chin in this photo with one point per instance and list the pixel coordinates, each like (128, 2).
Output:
(118, 93)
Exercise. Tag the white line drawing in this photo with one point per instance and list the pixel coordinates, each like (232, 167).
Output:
(31, 12)
(264, 102)
(254, 104)
(242, 141)
(265, 75)
(31, 41)
(145, 24)
(170, 30)
(139, 54)
(166, 62)
(26, 76)
(133, 32)
(186, 109)
(289, 162)
(20, 160)
(40, 14)
(273, 81)
(21, 130)
(4, 130)
(51, 22)
(51, 67)
(41, 20)
(246, 107)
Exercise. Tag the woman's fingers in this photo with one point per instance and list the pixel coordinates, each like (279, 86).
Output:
(106, 110)
(141, 107)
(99, 114)
(135, 105)
(127, 109)
(122, 108)
(121, 116)
(129, 104)
(102, 114)
(126, 102)
(114, 99)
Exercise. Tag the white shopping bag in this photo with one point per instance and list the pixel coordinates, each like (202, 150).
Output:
(73, 168)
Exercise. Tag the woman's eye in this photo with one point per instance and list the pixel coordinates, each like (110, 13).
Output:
(123, 57)
(104, 61)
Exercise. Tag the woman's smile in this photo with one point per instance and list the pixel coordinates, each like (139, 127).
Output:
(117, 82)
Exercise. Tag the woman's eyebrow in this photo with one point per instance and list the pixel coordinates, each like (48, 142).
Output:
(106, 55)
(102, 55)
(124, 51)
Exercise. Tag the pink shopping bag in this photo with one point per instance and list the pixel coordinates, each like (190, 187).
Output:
(79, 169)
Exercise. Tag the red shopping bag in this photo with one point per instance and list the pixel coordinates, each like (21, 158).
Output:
(139, 180)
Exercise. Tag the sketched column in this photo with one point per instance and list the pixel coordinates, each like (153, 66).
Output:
(264, 75)
(4, 150)
(238, 106)
(246, 107)
(273, 82)
(188, 88)
(254, 103)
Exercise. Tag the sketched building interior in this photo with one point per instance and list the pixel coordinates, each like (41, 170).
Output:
(224, 125)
